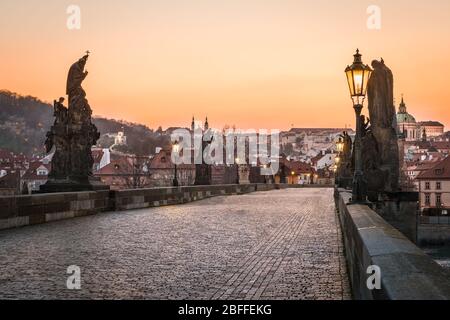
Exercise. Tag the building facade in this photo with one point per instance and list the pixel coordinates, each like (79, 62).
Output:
(434, 189)
(411, 130)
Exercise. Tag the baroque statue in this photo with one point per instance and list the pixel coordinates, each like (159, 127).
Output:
(379, 138)
(71, 138)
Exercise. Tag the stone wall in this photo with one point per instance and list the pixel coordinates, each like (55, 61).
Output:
(407, 273)
(146, 198)
(433, 233)
(17, 211)
(400, 210)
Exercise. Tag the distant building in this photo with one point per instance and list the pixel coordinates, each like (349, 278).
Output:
(102, 157)
(413, 130)
(415, 169)
(432, 129)
(325, 160)
(288, 138)
(35, 176)
(162, 170)
(325, 176)
(120, 139)
(407, 124)
(434, 189)
(9, 183)
(126, 172)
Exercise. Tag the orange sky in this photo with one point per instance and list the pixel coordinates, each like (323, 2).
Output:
(252, 63)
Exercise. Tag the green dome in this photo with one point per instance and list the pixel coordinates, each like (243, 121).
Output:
(405, 118)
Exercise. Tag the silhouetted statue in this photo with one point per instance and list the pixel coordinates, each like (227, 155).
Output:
(345, 174)
(348, 143)
(72, 137)
(379, 144)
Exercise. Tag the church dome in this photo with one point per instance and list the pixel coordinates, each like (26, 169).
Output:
(403, 116)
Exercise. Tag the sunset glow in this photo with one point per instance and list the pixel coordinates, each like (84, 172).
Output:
(253, 64)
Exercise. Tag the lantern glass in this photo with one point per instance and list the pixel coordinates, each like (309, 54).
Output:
(339, 146)
(358, 76)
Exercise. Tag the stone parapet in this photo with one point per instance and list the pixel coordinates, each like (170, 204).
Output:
(17, 211)
(407, 273)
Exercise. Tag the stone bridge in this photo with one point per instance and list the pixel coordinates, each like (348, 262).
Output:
(280, 244)
(208, 242)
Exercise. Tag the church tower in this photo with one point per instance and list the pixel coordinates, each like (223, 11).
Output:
(406, 123)
(402, 107)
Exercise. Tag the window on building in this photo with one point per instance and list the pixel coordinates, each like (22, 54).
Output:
(438, 200)
(427, 199)
(427, 186)
(438, 186)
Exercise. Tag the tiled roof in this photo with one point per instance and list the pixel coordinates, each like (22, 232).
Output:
(439, 171)
(119, 166)
(298, 167)
(431, 123)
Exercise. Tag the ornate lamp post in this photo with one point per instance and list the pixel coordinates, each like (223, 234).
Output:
(176, 149)
(358, 75)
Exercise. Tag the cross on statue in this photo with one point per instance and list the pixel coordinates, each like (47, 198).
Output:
(88, 52)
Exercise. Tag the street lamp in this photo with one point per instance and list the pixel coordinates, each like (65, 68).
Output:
(340, 145)
(175, 149)
(358, 75)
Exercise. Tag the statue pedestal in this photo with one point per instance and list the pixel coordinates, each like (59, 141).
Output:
(203, 175)
(244, 174)
(58, 186)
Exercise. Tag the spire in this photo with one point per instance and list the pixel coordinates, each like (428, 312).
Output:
(424, 135)
(193, 123)
(402, 108)
(206, 124)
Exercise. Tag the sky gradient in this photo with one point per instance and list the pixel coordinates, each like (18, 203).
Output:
(253, 64)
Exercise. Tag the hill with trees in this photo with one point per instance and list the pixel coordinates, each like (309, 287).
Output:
(25, 120)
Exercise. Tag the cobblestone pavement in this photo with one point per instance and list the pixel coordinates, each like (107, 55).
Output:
(283, 244)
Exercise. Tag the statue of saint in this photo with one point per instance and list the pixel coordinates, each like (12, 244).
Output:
(348, 143)
(76, 77)
(380, 145)
(72, 137)
(381, 96)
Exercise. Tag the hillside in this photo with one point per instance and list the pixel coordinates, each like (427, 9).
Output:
(24, 121)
